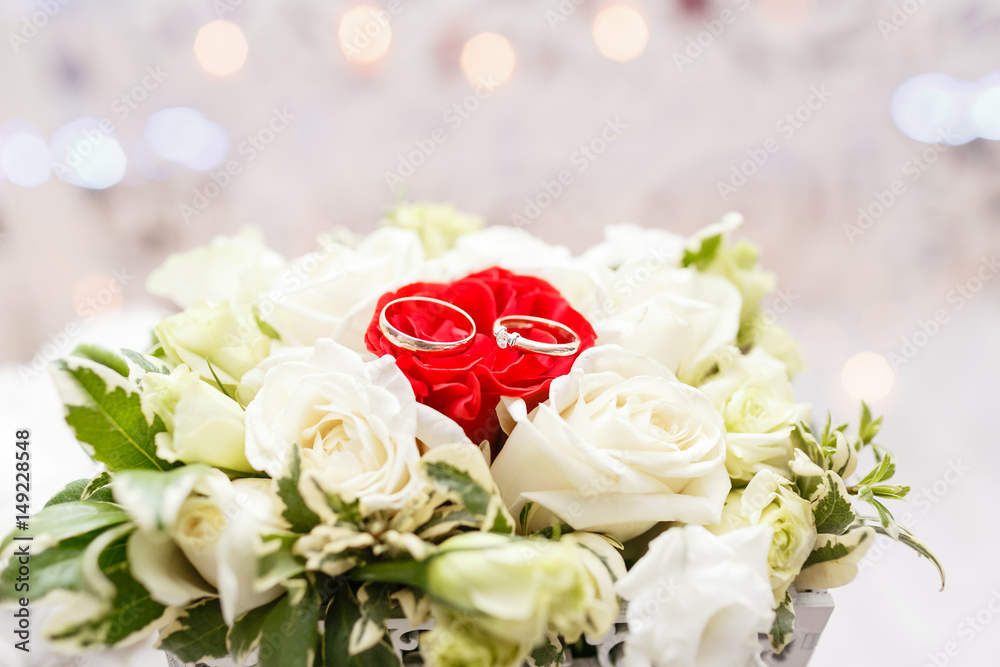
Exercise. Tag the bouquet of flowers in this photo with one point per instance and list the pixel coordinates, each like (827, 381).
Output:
(463, 426)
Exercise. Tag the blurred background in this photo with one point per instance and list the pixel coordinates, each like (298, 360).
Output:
(859, 139)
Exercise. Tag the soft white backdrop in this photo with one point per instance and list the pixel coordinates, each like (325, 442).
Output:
(61, 245)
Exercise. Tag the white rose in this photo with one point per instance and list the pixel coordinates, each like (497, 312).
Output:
(235, 268)
(312, 298)
(358, 425)
(203, 520)
(755, 398)
(678, 317)
(213, 340)
(580, 283)
(626, 242)
(619, 446)
(497, 596)
(697, 599)
(772, 501)
(203, 424)
(439, 225)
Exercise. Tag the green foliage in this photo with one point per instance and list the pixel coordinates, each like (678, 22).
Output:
(342, 615)
(247, 630)
(290, 633)
(784, 625)
(296, 513)
(104, 409)
(198, 634)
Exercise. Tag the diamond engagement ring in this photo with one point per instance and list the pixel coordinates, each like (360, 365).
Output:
(570, 341)
(408, 342)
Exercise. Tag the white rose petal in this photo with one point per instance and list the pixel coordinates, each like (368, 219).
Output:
(698, 600)
(357, 423)
(619, 446)
(678, 317)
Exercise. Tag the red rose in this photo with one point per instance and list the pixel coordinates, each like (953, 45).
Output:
(467, 386)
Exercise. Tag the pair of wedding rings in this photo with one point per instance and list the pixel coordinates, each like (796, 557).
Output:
(501, 332)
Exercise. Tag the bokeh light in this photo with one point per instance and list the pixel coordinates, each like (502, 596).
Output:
(620, 32)
(929, 108)
(97, 293)
(88, 157)
(365, 34)
(220, 48)
(185, 136)
(784, 13)
(867, 377)
(488, 58)
(25, 158)
(985, 110)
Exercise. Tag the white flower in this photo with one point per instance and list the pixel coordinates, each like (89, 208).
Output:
(358, 425)
(756, 401)
(213, 340)
(625, 243)
(770, 500)
(312, 298)
(698, 600)
(678, 317)
(619, 446)
(235, 268)
(507, 593)
(205, 521)
(580, 283)
(439, 225)
(203, 424)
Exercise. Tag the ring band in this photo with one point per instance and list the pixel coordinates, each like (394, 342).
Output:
(408, 342)
(506, 338)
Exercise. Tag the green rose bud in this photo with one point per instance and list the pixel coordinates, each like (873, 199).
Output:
(770, 500)
(755, 398)
(213, 341)
(438, 225)
(506, 594)
(203, 424)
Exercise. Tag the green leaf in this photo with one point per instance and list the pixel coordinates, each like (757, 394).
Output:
(276, 563)
(245, 634)
(784, 625)
(880, 473)
(105, 411)
(65, 520)
(129, 611)
(291, 631)
(869, 428)
(341, 616)
(296, 513)
(907, 538)
(98, 483)
(470, 494)
(264, 327)
(891, 491)
(154, 498)
(832, 510)
(549, 655)
(104, 357)
(704, 254)
(83, 489)
(146, 363)
(72, 492)
(57, 568)
(834, 560)
(198, 634)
